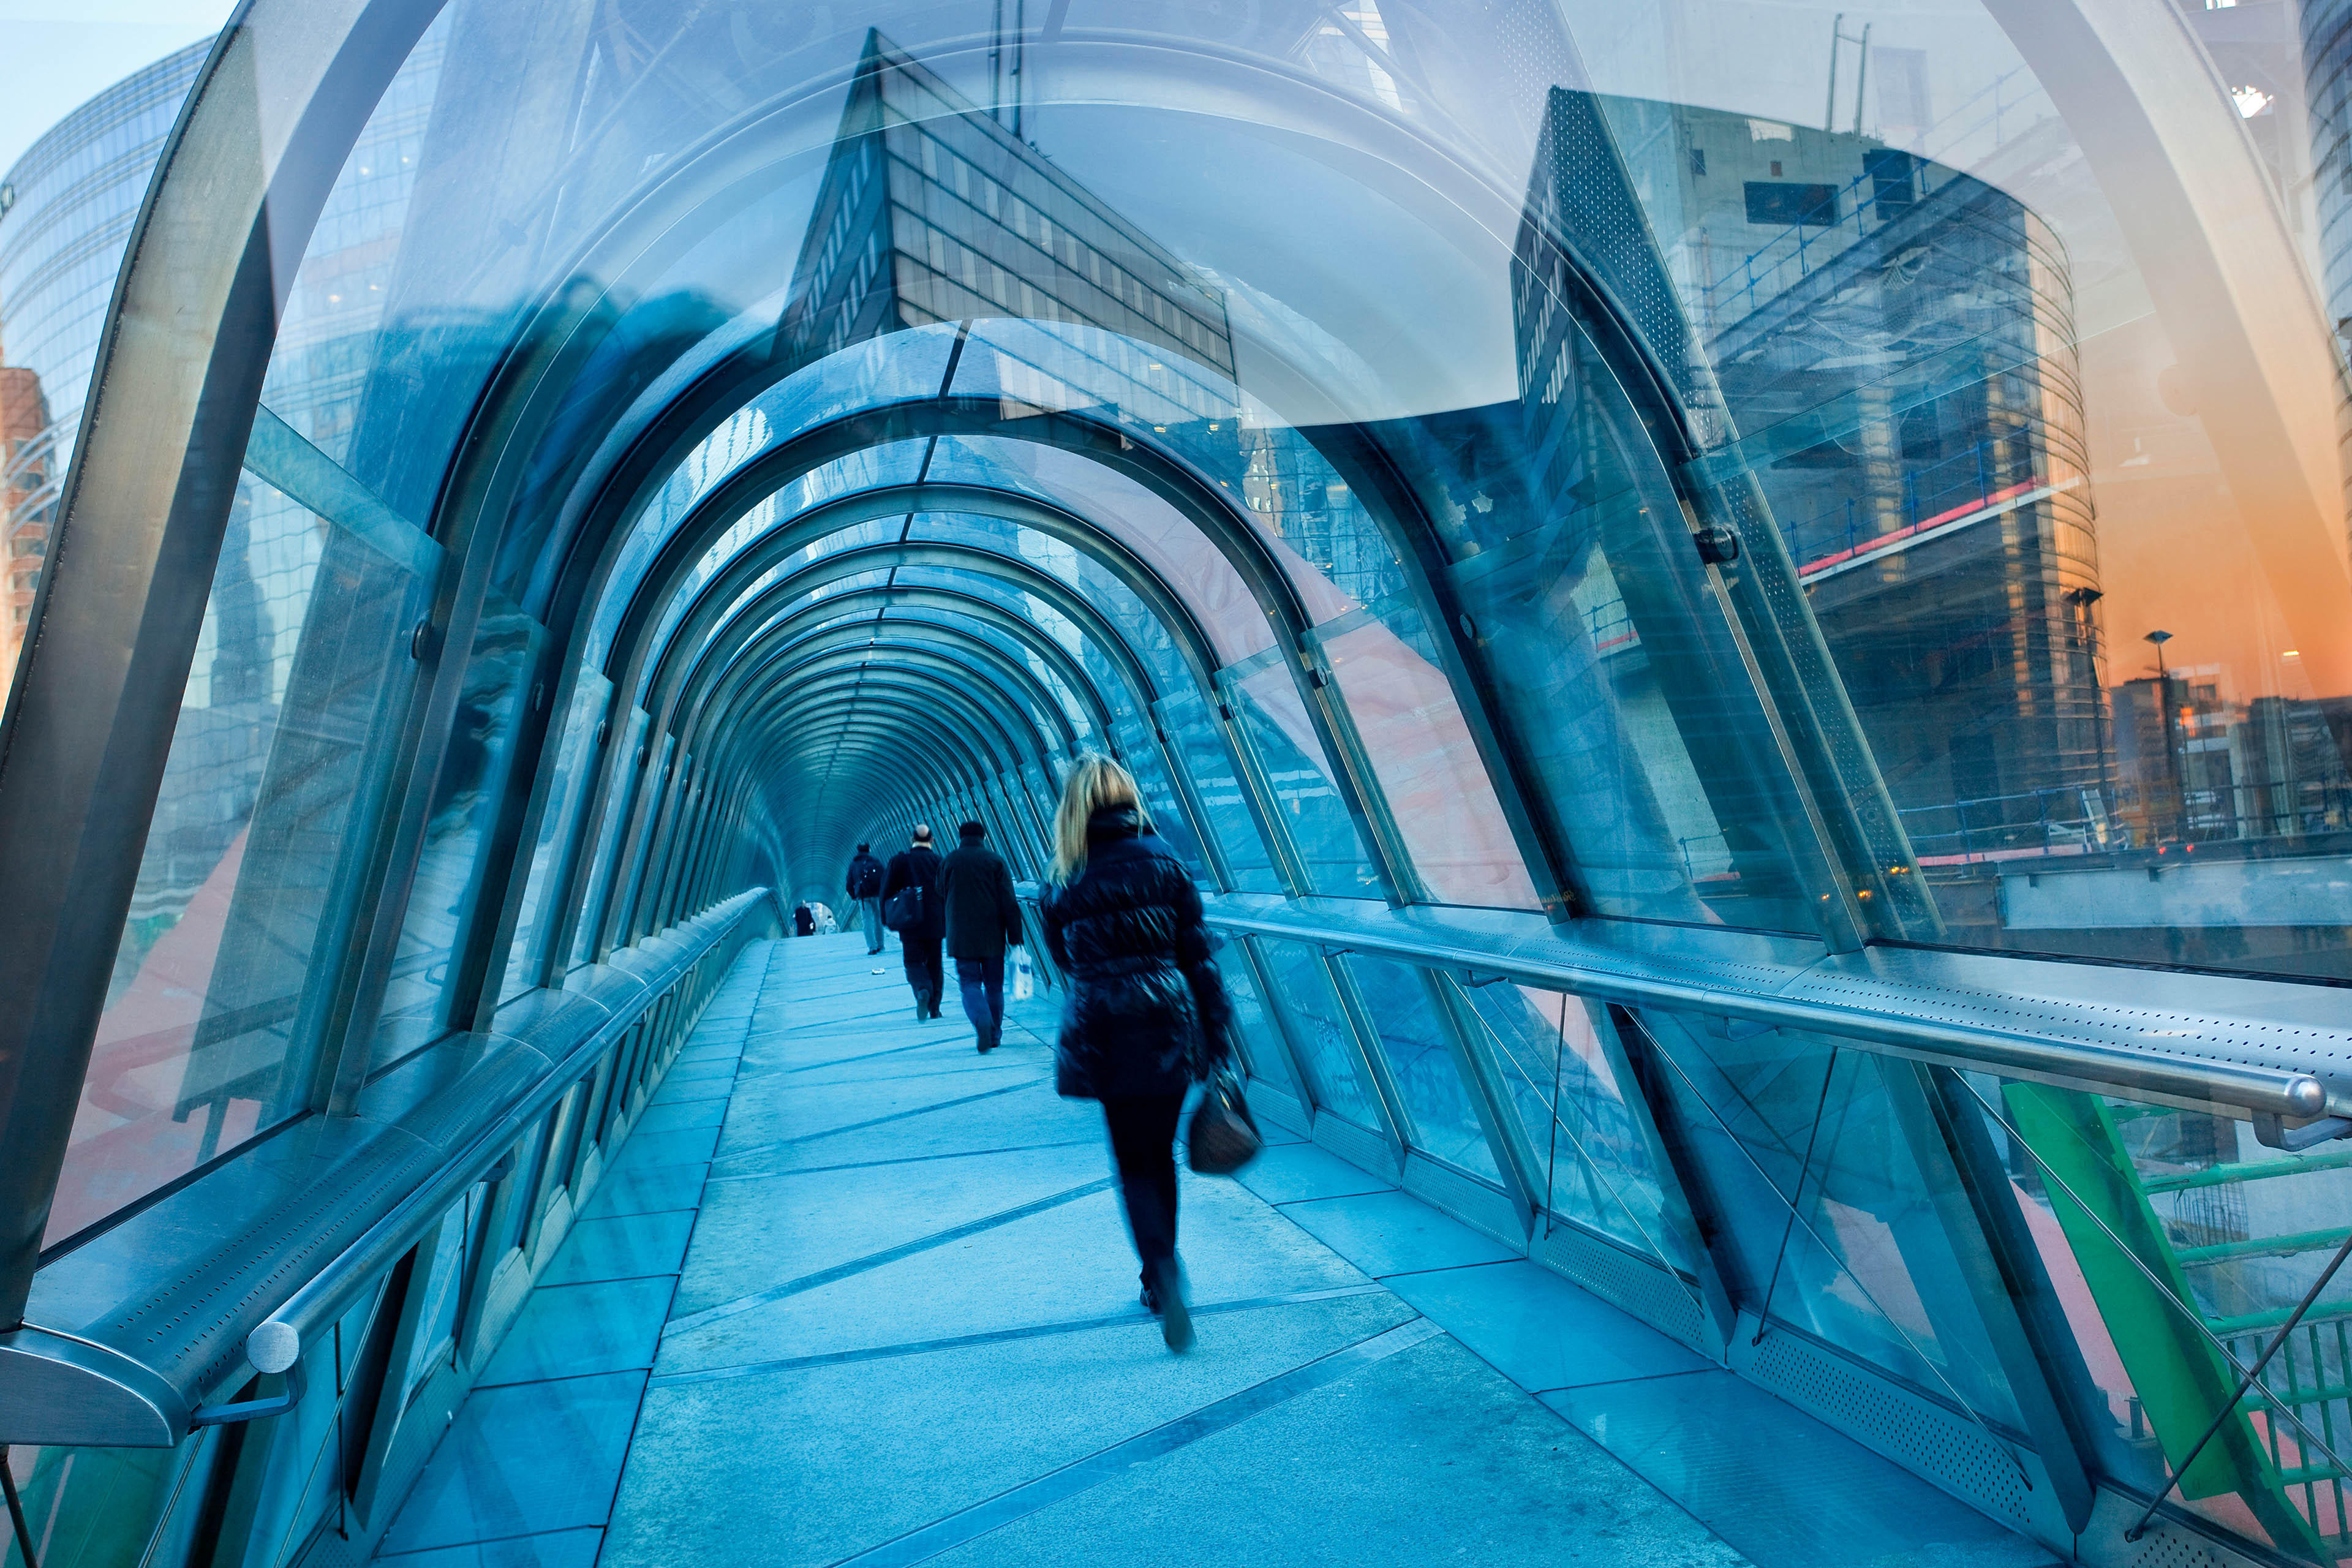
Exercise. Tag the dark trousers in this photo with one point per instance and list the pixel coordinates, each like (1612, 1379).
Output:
(921, 956)
(1143, 1143)
(982, 980)
(869, 914)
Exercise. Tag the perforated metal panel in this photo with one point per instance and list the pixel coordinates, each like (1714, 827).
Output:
(1947, 1448)
(1642, 1288)
(2169, 1549)
(1368, 1151)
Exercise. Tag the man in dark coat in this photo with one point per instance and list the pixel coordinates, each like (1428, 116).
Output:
(917, 866)
(864, 884)
(983, 919)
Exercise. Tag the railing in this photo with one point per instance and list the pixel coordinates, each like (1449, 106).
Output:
(2093, 1022)
(138, 1375)
(2088, 820)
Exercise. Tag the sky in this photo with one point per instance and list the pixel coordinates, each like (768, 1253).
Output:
(55, 54)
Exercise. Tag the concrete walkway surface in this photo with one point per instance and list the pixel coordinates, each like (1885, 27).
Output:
(855, 1294)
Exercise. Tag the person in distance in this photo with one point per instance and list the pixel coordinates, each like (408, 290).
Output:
(983, 919)
(917, 866)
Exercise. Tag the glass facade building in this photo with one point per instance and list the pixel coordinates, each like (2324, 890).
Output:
(1743, 613)
(67, 209)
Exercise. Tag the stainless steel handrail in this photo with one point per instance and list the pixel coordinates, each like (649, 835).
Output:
(118, 1384)
(1431, 937)
(277, 1342)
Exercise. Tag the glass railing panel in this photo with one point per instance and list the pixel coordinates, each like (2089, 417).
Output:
(1421, 1062)
(1319, 1034)
(1823, 1212)
(1583, 1123)
(1256, 1035)
(438, 1278)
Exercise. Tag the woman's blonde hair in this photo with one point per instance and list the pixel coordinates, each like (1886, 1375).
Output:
(1093, 783)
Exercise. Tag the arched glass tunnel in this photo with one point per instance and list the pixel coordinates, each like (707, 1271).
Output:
(1629, 606)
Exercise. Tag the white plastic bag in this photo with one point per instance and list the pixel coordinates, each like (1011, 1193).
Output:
(1024, 980)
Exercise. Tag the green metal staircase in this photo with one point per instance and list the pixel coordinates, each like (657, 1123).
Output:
(2109, 1201)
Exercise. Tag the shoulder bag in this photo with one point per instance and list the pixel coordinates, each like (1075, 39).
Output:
(1224, 1136)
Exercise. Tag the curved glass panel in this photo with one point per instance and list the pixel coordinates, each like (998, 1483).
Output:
(286, 718)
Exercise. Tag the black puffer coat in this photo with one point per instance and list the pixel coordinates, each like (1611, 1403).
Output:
(1147, 1013)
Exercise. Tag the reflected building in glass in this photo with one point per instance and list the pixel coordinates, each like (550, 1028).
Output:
(933, 211)
(1893, 343)
(66, 211)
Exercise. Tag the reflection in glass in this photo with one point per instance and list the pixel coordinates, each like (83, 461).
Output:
(1422, 1065)
(1599, 1167)
(1779, 1121)
(2178, 1246)
(1202, 756)
(305, 648)
(559, 819)
(1320, 1032)
(465, 797)
(1273, 720)
(1429, 768)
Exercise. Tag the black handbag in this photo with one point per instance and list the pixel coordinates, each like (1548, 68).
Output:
(1224, 1136)
(904, 908)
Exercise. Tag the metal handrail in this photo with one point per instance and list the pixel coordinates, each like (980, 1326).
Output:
(277, 1342)
(1758, 992)
(85, 1390)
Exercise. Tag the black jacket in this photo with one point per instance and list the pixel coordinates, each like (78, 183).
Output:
(983, 916)
(859, 864)
(1147, 1013)
(919, 867)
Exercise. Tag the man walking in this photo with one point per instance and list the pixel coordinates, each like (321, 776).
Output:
(983, 919)
(864, 885)
(917, 866)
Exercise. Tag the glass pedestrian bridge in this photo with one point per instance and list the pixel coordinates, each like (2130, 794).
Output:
(1741, 609)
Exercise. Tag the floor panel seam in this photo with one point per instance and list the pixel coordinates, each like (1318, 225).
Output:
(873, 1260)
(877, 1122)
(1132, 1318)
(969, 1524)
(909, 1160)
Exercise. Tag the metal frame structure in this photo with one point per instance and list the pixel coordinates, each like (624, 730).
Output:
(758, 681)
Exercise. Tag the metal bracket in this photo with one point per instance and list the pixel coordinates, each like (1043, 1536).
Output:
(2272, 1132)
(278, 1403)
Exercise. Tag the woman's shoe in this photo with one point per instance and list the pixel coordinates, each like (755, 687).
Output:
(1175, 1318)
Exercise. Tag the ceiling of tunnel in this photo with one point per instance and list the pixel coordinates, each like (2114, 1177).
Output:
(781, 439)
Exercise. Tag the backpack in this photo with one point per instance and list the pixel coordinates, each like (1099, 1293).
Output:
(869, 880)
(904, 908)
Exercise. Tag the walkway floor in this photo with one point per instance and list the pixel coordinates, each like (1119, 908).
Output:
(853, 1294)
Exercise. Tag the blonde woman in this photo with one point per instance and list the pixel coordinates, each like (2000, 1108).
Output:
(1146, 1015)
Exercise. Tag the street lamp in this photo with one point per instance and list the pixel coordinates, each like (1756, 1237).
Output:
(2164, 711)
